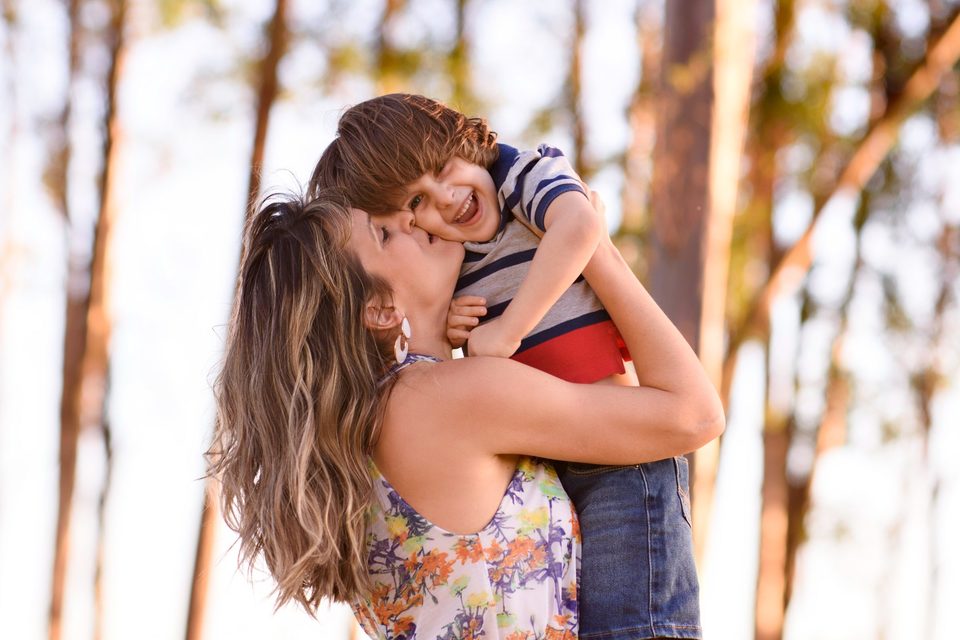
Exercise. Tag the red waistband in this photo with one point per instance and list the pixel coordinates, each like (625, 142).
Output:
(584, 355)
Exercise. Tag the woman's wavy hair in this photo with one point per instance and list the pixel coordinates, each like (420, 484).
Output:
(298, 401)
(387, 142)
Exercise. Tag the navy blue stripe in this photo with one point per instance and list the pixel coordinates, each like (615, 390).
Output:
(501, 167)
(516, 196)
(495, 311)
(505, 217)
(473, 256)
(497, 265)
(548, 199)
(585, 320)
(549, 152)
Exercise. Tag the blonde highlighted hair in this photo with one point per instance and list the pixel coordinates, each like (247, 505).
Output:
(298, 401)
(385, 143)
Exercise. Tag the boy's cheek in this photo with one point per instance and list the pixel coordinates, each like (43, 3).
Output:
(442, 230)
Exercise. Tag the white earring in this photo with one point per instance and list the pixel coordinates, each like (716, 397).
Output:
(401, 346)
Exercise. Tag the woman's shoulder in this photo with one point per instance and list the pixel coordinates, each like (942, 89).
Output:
(471, 379)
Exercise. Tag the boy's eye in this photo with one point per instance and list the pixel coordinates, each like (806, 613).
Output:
(415, 202)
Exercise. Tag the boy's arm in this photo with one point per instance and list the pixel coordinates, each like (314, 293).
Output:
(573, 232)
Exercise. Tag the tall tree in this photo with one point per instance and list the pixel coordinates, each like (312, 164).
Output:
(10, 251)
(776, 544)
(641, 115)
(388, 59)
(680, 189)
(734, 50)
(278, 35)
(462, 95)
(87, 334)
(681, 164)
(573, 93)
(862, 164)
(116, 44)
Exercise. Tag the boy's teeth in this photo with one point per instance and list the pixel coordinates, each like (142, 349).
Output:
(463, 208)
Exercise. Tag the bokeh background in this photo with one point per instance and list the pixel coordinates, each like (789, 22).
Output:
(784, 175)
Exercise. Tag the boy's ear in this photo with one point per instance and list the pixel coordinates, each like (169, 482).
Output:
(380, 317)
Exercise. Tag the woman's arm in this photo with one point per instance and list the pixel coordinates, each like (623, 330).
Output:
(502, 406)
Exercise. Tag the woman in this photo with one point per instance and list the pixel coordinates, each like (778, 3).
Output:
(369, 467)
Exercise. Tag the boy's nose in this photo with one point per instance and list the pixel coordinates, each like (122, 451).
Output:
(444, 195)
(407, 221)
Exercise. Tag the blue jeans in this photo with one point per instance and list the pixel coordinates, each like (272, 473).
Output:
(637, 574)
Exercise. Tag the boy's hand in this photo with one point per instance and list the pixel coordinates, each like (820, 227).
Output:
(463, 316)
(492, 339)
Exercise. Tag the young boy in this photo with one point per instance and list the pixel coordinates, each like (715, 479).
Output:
(529, 231)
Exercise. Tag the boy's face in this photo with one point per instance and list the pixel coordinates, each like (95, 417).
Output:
(459, 203)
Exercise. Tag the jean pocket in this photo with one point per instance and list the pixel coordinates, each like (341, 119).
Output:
(578, 469)
(683, 486)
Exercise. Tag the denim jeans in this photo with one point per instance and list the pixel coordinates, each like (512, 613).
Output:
(637, 574)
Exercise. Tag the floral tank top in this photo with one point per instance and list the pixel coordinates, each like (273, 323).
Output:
(515, 579)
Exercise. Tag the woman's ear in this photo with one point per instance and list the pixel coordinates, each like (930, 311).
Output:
(380, 317)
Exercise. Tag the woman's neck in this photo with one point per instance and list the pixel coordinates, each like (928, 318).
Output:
(429, 338)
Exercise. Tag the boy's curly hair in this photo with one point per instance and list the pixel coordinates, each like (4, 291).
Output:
(385, 143)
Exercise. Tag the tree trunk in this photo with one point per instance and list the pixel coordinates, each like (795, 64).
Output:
(266, 96)
(680, 190)
(641, 114)
(101, 552)
(773, 531)
(681, 165)
(927, 383)
(388, 70)
(75, 323)
(574, 93)
(832, 430)
(87, 333)
(462, 96)
(733, 73)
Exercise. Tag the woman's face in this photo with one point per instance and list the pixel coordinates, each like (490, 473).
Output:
(420, 268)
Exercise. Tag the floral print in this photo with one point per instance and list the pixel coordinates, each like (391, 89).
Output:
(516, 579)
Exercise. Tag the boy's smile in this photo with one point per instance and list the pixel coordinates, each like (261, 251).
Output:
(459, 203)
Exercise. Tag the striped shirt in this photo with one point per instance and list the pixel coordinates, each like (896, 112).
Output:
(575, 340)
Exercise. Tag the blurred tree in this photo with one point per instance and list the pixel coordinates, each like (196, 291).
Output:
(277, 36)
(392, 65)
(573, 94)
(75, 328)
(637, 166)
(681, 166)
(734, 51)
(9, 251)
(786, 274)
(870, 151)
(462, 96)
(87, 334)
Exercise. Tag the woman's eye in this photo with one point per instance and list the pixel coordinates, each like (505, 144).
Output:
(415, 202)
(384, 235)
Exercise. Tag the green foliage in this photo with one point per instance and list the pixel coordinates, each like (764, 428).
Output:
(175, 12)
